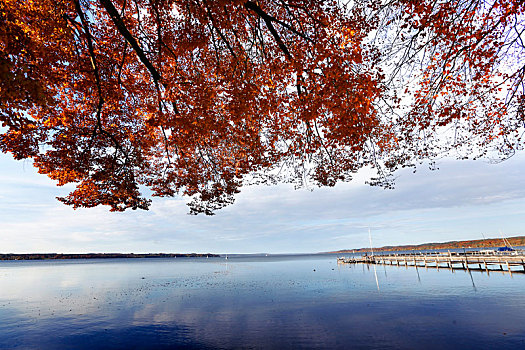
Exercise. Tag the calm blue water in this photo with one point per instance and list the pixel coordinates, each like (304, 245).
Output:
(255, 302)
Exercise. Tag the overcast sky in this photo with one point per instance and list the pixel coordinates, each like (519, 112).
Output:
(461, 200)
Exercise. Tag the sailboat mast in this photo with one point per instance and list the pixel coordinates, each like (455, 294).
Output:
(505, 241)
(370, 238)
(510, 245)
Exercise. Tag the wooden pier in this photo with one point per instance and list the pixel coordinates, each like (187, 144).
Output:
(477, 260)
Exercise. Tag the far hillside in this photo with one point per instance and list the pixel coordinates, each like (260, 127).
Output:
(478, 243)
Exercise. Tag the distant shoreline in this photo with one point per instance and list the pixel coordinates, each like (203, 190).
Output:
(56, 256)
(478, 243)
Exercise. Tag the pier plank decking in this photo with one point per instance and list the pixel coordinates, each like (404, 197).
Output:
(493, 261)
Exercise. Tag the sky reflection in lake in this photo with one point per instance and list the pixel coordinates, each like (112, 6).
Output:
(262, 302)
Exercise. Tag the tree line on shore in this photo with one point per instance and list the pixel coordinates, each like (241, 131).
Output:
(478, 243)
(52, 256)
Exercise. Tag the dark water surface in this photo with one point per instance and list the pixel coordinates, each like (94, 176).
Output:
(255, 302)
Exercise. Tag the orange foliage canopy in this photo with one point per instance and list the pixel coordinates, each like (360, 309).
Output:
(198, 97)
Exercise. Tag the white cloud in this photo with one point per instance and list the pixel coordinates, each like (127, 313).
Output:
(458, 201)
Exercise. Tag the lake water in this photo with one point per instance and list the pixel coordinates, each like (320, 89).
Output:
(255, 302)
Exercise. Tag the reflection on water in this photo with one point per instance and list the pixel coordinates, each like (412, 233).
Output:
(261, 302)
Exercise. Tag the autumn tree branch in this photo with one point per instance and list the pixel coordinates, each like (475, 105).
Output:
(96, 73)
(123, 30)
(250, 5)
